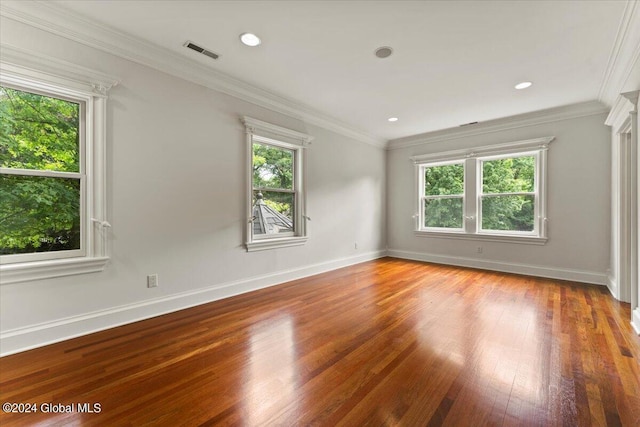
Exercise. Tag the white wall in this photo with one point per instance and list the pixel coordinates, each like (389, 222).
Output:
(176, 179)
(635, 316)
(578, 205)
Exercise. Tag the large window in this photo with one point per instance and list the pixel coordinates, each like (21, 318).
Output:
(41, 175)
(508, 193)
(443, 202)
(274, 190)
(52, 209)
(495, 193)
(276, 196)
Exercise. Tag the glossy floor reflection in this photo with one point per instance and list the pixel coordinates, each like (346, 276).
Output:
(386, 342)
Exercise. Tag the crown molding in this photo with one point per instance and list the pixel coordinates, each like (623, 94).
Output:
(62, 22)
(514, 122)
(28, 65)
(625, 103)
(625, 55)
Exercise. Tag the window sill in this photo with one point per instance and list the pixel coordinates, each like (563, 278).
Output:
(504, 238)
(265, 244)
(39, 270)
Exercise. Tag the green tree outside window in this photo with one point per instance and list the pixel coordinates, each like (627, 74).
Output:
(38, 133)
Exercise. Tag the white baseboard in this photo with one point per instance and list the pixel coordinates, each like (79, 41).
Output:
(26, 338)
(635, 320)
(526, 269)
(612, 285)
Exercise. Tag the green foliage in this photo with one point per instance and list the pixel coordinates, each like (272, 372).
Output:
(446, 213)
(444, 180)
(39, 133)
(510, 175)
(273, 168)
(499, 212)
(509, 212)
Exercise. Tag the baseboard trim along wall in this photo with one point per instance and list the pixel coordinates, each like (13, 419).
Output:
(612, 284)
(526, 269)
(635, 320)
(22, 339)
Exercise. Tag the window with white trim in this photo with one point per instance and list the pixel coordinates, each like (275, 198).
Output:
(52, 214)
(496, 192)
(507, 193)
(42, 175)
(276, 186)
(443, 196)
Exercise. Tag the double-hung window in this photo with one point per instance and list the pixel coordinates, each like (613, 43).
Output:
(508, 193)
(276, 187)
(495, 192)
(52, 210)
(42, 175)
(442, 203)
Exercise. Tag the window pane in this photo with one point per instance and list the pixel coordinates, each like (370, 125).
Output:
(273, 212)
(512, 175)
(272, 167)
(39, 214)
(38, 132)
(513, 213)
(446, 213)
(444, 180)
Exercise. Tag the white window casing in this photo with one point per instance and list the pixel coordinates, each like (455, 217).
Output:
(422, 197)
(472, 196)
(41, 74)
(268, 134)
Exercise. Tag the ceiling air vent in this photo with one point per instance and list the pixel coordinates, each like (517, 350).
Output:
(201, 50)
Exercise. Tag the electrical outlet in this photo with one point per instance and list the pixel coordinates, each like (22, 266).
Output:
(355, 245)
(152, 281)
(479, 249)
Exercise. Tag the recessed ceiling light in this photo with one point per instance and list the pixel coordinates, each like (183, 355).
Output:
(250, 39)
(392, 119)
(523, 85)
(383, 52)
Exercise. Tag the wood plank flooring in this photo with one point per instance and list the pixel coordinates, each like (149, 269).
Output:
(387, 342)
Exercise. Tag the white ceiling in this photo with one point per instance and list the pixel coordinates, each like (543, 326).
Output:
(454, 62)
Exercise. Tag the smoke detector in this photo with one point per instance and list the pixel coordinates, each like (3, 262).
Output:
(383, 52)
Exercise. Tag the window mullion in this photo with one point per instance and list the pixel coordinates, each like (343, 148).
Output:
(471, 177)
(43, 173)
(521, 193)
(274, 190)
(445, 196)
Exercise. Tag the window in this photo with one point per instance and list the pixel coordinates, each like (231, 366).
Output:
(493, 193)
(443, 200)
(507, 194)
(276, 196)
(274, 190)
(52, 215)
(41, 176)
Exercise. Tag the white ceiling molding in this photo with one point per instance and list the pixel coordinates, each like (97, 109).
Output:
(619, 114)
(72, 26)
(522, 120)
(625, 55)
(26, 64)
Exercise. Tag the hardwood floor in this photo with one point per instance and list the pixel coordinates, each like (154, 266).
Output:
(387, 342)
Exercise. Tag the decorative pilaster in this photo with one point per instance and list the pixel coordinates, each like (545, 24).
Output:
(632, 97)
